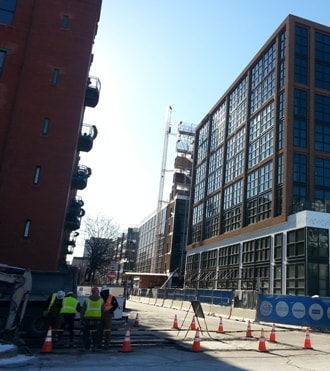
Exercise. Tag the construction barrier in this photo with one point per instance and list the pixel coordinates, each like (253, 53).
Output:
(152, 301)
(228, 312)
(186, 305)
(242, 314)
(177, 304)
(216, 310)
(159, 302)
(167, 303)
(144, 300)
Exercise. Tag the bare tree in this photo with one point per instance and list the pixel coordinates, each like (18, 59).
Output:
(102, 233)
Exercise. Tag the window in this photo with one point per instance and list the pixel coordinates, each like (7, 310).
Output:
(203, 140)
(212, 216)
(2, 59)
(278, 246)
(26, 230)
(300, 118)
(263, 249)
(45, 126)
(196, 227)
(322, 172)
(295, 279)
(282, 59)
(299, 168)
(277, 280)
(301, 51)
(215, 171)
(322, 61)
(296, 243)
(318, 243)
(36, 175)
(218, 127)
(7, 10)
(65, 22)
(281, 100)
(235, 156)
(322, 123)
(299, 181)
(55, 76)
(263, 79)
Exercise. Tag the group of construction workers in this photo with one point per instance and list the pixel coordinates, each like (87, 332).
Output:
(96, 314)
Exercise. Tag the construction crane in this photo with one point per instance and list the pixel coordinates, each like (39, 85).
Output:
(158, 233)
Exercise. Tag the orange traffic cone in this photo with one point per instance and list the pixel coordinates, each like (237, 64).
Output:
(126, 347)
(47, 346)
(307, 342)
(272, 335)
(197, 342)
(136, 322)
(262, 342)
(248, 330)
(193, 325)
(220, 328)
(175, 322)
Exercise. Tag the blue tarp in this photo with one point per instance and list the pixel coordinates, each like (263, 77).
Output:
(294, 310)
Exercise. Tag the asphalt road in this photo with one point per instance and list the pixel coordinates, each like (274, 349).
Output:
(155, 345)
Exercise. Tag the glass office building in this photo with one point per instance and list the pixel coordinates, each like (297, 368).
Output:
(259, 215)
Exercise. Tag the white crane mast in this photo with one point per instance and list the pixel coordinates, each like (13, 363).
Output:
(160, 202)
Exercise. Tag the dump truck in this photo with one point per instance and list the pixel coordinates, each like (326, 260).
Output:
(43, 284)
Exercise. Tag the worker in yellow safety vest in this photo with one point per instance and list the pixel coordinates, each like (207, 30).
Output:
(53, 312)
(91, 312)
(110, 305)
(70, 306)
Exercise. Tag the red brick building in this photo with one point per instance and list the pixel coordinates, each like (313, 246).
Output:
(45, 56)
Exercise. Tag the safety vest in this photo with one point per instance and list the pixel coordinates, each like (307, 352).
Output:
(108, 304)
(94, 308)
(69, 305)
(52, 300)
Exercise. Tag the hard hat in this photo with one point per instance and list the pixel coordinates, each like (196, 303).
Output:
(95, 290)
(104, 288)
(60, 294)
(69, 293)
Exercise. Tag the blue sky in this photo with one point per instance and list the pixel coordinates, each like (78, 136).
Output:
(150, 54)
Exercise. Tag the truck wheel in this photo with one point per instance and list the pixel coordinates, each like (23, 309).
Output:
(38, 326)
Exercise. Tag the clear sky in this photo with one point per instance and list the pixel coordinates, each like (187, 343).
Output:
(150, 54)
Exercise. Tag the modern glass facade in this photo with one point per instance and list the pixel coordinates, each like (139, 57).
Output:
(261, 172)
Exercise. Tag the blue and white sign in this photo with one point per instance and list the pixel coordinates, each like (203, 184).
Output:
(294, 310)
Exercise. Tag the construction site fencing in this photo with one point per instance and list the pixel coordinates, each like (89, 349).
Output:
(240, 299)
(213, 302)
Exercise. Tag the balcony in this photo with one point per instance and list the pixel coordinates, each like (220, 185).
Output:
(183, 163)
(80, 177)
(92, 94)
(74, 214)
(86, 138)
(186, 128)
